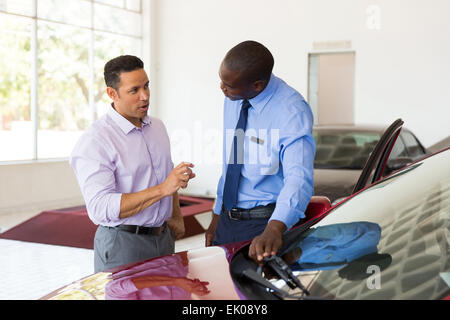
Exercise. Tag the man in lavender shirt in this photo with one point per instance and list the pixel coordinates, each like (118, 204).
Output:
(126, 175)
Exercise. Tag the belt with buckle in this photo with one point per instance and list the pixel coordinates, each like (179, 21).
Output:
(141, 230)
(259, 212)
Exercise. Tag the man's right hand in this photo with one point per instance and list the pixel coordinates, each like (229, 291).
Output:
(133, 203)
(178, 178)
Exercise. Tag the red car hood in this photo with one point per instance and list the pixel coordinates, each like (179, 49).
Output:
(202, 273)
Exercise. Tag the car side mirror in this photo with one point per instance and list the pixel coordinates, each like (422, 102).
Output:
(317, 205)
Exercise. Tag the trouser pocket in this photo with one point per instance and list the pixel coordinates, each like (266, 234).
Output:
(104, 244)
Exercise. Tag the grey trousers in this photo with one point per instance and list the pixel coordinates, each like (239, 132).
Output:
(114, 247)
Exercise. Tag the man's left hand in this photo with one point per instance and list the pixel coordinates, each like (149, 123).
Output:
(268, 243)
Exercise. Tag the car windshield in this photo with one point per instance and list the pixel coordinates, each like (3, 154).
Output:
(337, 149)
(391, 241)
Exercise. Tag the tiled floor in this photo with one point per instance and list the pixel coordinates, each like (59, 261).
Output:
(31, 270)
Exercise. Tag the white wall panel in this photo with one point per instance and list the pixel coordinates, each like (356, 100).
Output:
(401, 69)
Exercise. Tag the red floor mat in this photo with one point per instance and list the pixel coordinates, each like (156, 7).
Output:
(72, 227)
(66, 227)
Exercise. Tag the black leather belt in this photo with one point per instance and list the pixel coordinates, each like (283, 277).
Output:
(259, 212)
(142, 230)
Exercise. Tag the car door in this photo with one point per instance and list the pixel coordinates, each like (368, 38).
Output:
(376, 163)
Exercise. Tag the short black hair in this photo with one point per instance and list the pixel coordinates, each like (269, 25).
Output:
(114, 67)
(252, 58)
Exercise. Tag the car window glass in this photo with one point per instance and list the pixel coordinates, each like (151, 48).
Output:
(388, 242)
(412, 146)
(398, 150)
(343, 149)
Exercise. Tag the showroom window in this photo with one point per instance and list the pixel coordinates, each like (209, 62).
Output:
(51, 70)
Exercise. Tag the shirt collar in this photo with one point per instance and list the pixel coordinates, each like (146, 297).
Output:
(264, 96)
(125, 125)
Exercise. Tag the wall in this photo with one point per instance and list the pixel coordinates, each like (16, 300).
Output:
(37, 186)
(401, 63)
(335, 89)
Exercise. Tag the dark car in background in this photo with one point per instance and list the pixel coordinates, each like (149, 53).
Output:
(388, 240)
(342, 151)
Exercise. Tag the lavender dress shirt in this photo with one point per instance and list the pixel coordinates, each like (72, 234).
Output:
(114, 157)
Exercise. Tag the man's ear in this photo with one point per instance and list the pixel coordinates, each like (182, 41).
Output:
(112, 93)
(259, 85)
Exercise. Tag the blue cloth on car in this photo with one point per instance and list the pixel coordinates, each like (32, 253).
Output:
(332, 246)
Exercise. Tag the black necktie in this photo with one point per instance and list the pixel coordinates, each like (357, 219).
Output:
(231, 185)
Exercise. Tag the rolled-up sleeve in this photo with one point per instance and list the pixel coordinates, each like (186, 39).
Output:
(94, 170)
(297, 150)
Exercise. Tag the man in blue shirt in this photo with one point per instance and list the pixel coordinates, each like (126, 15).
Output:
(268, 153)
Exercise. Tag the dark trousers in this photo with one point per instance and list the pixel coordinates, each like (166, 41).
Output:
(229, 230)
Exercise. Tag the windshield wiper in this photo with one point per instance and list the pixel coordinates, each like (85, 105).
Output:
(243, 266)
(280, 267)
(259, 279)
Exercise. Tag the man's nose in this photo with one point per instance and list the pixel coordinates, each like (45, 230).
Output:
(145, 94)
(222, 87)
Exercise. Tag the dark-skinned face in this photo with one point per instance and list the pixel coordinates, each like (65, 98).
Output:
(235, 87)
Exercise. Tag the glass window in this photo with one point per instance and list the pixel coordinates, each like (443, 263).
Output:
(413, 147)
(134, 5)
(343, 149)
(63, 94)
(23, 7)
(107, 18)
(16, 128)
(115, 3)
(74, 12)
(74, 39)
(398, 150)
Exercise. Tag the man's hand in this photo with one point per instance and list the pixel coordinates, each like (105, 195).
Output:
(133, 203)
(268, 243)
(211, 232)
(194, 286)
(178, 178)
